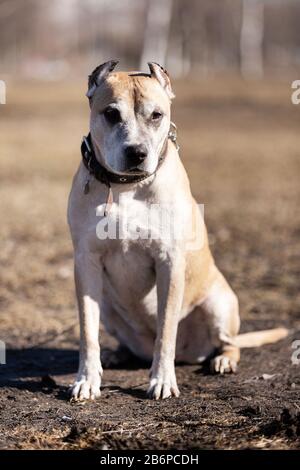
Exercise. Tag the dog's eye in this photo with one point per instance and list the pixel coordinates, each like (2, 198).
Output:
(156, 116)
(112, 115)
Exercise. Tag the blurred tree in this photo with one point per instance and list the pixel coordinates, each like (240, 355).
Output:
(156, 36)
(251, 41)
(45, 39)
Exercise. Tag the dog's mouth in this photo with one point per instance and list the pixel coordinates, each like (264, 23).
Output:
(136, 170)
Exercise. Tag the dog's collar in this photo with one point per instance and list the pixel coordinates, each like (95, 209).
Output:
(106, 177)
(97, 170)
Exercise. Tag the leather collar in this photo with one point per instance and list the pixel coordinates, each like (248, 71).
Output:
(106, 177)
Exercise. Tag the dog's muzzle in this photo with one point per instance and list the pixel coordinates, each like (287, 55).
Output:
(135, 156)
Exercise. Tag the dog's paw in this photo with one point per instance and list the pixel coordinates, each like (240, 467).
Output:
(86, 386)
(223, 364)
(163, 386)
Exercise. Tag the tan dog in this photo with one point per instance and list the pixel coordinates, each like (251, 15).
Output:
(161, 297)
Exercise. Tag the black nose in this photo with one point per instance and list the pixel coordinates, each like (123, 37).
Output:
(135, 154)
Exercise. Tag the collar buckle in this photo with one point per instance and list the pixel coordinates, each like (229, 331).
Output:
(173, 135)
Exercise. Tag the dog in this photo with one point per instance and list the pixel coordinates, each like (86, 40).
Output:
(163, 298)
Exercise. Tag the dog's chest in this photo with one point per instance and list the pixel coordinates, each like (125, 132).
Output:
(127, 260)
(129, 286)
(127, 241)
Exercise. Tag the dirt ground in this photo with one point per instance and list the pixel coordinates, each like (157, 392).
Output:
(240, 144)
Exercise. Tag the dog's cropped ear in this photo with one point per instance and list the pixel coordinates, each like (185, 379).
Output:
(99, 74)
(158, 72)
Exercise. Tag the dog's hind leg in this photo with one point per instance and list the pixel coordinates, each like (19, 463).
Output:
(222, 314)
(193, 344)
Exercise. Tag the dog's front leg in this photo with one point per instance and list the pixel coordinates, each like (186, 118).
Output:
(88, 281)
(170, 287)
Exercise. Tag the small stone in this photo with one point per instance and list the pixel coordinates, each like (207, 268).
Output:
(66, 418)
(268, 376)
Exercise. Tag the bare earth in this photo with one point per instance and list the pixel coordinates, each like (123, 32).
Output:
(240, 144)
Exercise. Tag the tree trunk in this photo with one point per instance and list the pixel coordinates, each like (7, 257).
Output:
(251, 39)
(156, 35)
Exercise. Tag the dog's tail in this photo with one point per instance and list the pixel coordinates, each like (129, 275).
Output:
(258, 338)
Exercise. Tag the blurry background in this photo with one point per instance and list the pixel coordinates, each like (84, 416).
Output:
(63, 38)
(232, 63)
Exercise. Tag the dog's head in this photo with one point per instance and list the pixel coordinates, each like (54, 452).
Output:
(130, 117)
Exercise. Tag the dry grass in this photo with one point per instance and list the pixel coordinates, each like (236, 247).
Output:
(240, 144)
